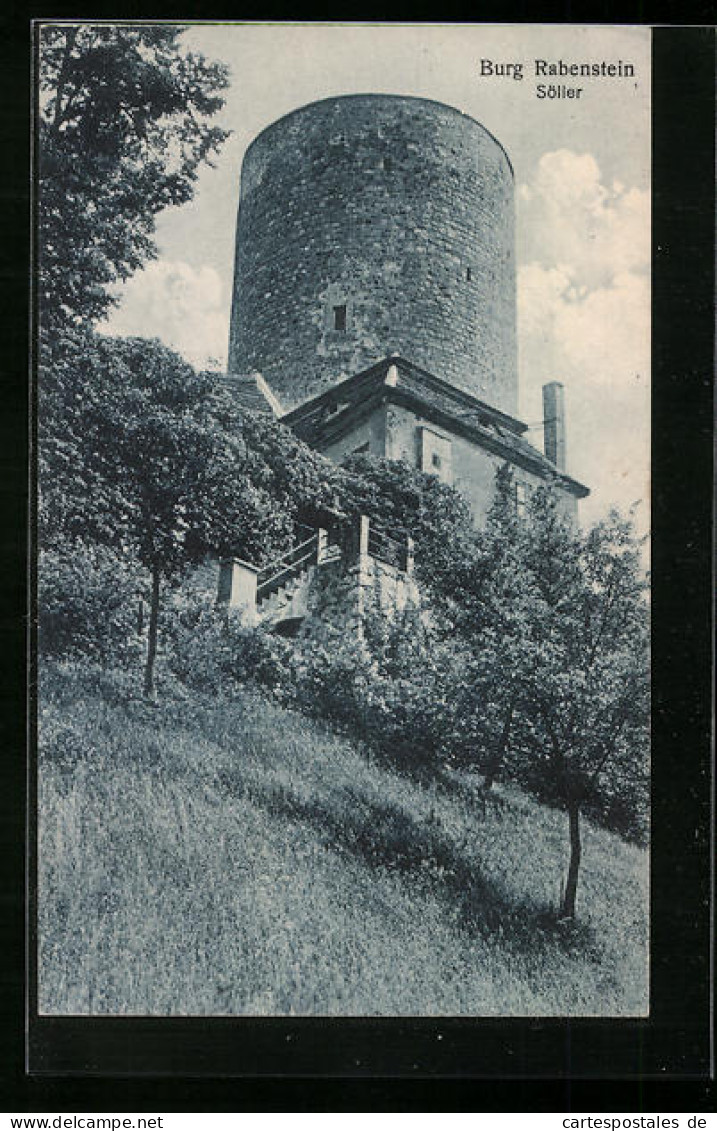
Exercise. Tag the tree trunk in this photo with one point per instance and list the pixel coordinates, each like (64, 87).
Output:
(497, 760)
(568, 909)
(149, 687)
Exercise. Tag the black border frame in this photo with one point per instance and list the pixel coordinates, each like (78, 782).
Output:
(564, 1059)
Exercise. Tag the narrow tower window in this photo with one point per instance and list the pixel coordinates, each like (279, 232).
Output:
(340, 318)
(469, 274)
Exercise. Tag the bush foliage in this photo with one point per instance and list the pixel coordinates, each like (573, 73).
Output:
(89, 602)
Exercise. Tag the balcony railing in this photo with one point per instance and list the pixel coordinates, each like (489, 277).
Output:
(388, 548)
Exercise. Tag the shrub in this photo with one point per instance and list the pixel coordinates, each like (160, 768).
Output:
(211, 651)
(88, 601)
(331, 680)
(196, 643)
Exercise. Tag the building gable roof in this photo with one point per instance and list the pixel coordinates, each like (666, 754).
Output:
(325, 418)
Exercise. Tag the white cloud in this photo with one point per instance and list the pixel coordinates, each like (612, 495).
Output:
(584, 319)
(567, 215)
(606, 332)
(541, 290)
(600, 335)
(185, 307)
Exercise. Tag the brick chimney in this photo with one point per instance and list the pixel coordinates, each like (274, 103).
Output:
(554, 424)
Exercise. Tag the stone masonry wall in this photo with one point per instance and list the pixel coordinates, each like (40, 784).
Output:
(401, 211)
(339, 597)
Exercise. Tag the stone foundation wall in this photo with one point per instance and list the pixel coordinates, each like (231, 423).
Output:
(340, 598)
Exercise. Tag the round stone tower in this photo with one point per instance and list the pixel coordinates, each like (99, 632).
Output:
(374, 224)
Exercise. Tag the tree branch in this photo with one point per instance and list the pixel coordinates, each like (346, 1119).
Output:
(70, 39)
(609, 751)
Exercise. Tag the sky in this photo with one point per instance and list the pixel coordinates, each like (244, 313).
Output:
(582, 177)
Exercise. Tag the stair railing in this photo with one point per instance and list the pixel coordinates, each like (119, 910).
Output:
(383, 546)
(326, 546)
(285, 568)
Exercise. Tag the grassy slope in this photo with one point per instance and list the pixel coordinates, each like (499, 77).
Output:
(236, 858)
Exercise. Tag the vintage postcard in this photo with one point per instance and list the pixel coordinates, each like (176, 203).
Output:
(343, 404)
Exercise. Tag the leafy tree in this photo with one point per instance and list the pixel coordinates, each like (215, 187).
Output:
(312, 486)
(487, 616)
(142, 454)
(582, 685)
(132, 458)
(123, 130)
(404, 501)
(551, 627)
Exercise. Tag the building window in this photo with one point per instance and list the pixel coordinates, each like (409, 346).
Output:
(521, 498)
(340, 318)
(436, 455)
(387, 164)
(361, 450)
(469, 274)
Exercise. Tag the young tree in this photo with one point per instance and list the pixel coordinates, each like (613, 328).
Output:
(553, 627)
(141, 453)
(583, 694)
(123, 130)
(484, 613)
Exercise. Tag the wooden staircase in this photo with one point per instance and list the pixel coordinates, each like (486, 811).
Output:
(281, 584)
(277, 594)
(287, 572)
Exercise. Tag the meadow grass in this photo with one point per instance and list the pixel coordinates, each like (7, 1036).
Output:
(230, 856)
